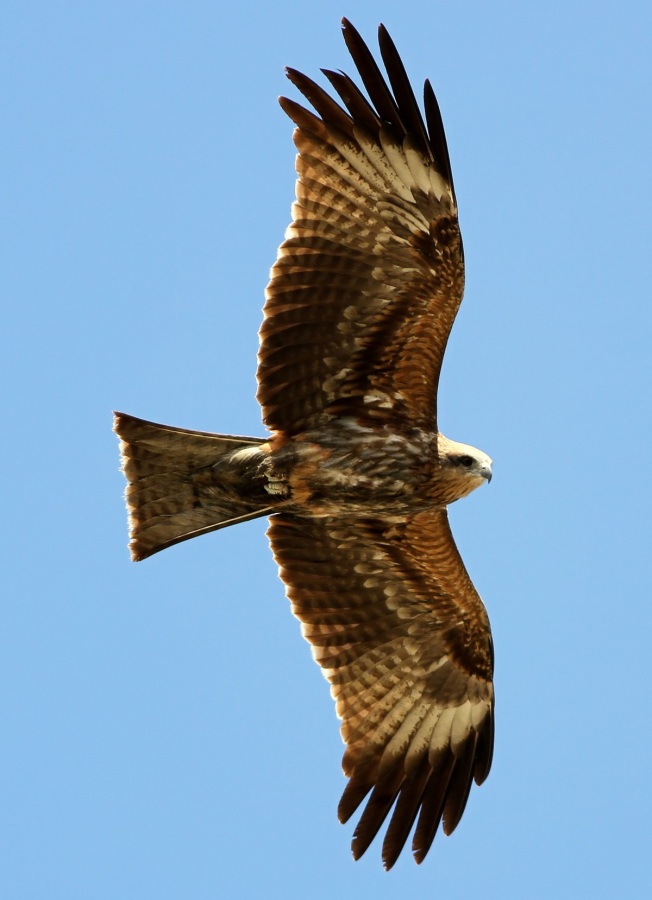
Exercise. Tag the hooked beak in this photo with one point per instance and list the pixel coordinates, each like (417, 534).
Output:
(486, 473)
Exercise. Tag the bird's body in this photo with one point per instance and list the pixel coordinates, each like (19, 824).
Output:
(355, 474)
(360, 469)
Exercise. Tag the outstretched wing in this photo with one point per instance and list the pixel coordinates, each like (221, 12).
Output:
(407, 648)
(367, 283)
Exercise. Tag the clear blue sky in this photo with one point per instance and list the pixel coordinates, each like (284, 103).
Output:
(165, 733)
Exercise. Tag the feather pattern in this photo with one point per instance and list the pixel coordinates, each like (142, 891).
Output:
(367, 283)
(407, 650)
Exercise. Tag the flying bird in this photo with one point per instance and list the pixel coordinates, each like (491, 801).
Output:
(355, 475)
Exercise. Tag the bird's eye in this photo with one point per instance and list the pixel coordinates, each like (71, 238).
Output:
(466, 461)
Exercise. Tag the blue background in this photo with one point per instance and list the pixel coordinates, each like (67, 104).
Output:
(165, 733)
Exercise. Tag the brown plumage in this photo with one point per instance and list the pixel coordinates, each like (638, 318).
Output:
(354, 474)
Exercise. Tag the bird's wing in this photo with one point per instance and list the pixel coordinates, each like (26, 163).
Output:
(404, 639)
(367, 283)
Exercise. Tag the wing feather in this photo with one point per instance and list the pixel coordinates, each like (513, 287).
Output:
(372, 258)
(354, 100)
(407, 649)
(372, 77)
(403, 92)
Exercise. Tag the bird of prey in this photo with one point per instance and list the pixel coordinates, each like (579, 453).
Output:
(355, 475)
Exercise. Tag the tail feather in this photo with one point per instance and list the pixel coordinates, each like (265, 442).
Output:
(185, 483)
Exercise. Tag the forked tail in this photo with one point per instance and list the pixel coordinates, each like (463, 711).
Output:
(185, 483)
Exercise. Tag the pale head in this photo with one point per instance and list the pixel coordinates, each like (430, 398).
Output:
(462, 468)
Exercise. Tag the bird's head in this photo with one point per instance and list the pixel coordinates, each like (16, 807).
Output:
(462, 468)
